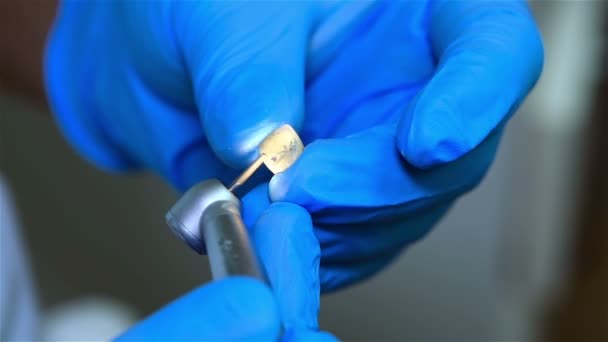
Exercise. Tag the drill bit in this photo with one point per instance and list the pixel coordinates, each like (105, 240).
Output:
(250, 170)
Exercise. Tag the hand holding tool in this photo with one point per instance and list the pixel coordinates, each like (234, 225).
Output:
(208, 216)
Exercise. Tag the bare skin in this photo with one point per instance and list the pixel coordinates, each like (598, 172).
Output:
(23, 29)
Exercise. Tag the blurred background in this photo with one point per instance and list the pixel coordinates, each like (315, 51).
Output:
(523, 257)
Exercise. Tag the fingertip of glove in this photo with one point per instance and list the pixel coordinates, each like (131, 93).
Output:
(293, 184)
(254, 203)
(237, 147)
(278, 187)
(245, 107)
(281, 186)
(429, 137)
(289, 186)
(430, 154)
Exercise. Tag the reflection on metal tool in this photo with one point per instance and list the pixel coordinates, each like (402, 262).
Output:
(208, 216)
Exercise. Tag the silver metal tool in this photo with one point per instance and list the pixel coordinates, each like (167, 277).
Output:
(208, 216)
(209, 212)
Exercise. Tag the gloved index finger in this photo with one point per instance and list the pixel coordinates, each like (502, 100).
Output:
(290, 253)
(364, 179)
(489, 57)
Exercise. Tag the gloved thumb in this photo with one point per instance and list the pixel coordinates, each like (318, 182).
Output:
(235, 308)
(489, 56)
(247, 63)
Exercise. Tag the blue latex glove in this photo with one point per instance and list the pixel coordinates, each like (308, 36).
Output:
(405, 102)
(184, 88)
(241, 308)
(410, 114)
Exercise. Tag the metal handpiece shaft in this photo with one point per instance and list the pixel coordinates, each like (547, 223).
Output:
(228, 246)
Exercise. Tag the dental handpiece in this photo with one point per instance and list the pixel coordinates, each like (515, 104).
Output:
(208, 216)
(208, 219)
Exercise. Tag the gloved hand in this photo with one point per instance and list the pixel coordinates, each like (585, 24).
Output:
(242, 308)
(405, 102)
(410, 112)
(184, 88)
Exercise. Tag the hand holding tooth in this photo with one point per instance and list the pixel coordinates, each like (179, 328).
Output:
(278, 151)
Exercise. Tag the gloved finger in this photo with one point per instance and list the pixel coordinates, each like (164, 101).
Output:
(247, 63)
(355, 89)
(254, 203)
(289, 251)
(363, 178)
(351, 252)
(234, 308)
(490, 55)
